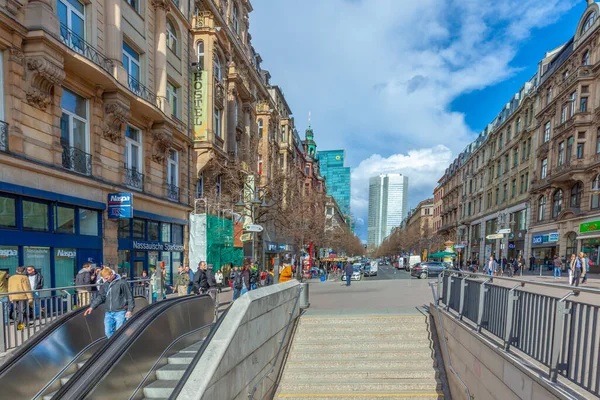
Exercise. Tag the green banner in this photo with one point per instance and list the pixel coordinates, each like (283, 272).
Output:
(199, 104)
(589, 226)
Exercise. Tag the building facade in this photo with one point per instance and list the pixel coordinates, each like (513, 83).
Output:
(388, 198)
(337, 177)
(93, 98)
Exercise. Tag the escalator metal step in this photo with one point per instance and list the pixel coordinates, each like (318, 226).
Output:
(49, 396)
(65, 379)
(171, 372)
(181, 358)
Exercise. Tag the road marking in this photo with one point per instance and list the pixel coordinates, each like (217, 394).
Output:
(370, 395)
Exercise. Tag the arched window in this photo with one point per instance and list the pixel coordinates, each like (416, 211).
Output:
(541, 208)
(585, 60)
(260, 128)
(171, 36)
(200, 49)
(217, 68)
(557, 203)
(589, 21)
(596, 192)
(576, 192)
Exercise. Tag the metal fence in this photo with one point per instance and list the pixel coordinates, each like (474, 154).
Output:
(561, 334)
(29, 312)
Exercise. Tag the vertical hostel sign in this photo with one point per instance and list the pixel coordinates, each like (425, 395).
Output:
(199, 101)
(120, 205)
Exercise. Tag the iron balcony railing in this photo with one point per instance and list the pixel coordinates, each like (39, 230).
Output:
(78, 45)
(172, 192)
(3, 136)
(134, 179)
(142, 91)
(76, 160)
(559, 333)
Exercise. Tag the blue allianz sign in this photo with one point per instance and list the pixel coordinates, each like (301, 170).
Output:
(120, 205)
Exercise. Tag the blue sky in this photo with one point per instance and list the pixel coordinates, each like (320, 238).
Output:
(403, 85)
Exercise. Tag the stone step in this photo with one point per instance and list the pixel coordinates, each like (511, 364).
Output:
(348, 385)
(362, 374)
(405, 395)
(171, 372)
(192, 349)
(371, 345)
(364, 320)
(327, 365)
(181, 358)
(159, 389)
(361, 354)
(309, 337)
(350, 329)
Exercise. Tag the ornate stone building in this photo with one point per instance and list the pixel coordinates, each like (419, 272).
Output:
(94, 102)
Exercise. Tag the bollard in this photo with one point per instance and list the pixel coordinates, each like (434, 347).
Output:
(304, 296)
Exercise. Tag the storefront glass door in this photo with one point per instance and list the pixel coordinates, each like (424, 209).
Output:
(64, 267)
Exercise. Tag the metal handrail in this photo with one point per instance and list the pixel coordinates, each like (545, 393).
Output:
(435, 300)
(525, 281)
(141, 385)
(287, 327)
(59, 289)
(59, 374)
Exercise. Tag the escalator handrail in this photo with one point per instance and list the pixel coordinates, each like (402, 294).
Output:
(141, 385)
(196, 359)
(36, 339)
(75, 359)
(123, 338)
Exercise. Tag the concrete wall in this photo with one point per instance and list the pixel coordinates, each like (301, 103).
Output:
(244, 346)
(488, 372)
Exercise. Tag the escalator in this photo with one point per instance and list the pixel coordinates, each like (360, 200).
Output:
(53, 353)
(151, 357)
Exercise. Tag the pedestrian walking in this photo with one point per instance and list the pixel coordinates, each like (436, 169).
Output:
(253, 271)
(83, 280)
(348, 270)
(190, 273)
(117, 298)
(211, 281)
(576, 268)
(21, 302)
(270, 278)
(531, 262)
(557, 263)
(219, 280)
(234, 271)
(584, 266)
(286, 273)
(236, 282)
(245, 276)
(182, 281)
(491, 266)
(200, 279)
(36, 281)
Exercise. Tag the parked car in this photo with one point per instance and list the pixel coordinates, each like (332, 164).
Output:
(426, 269)
(356, 274)
(412, 261)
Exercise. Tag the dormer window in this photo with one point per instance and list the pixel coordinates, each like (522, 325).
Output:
(589, 21)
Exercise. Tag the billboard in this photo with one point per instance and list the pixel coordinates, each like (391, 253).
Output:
(199, 104)
(120, 205)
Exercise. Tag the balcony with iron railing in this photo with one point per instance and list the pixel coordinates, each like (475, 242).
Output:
(76, 160)
(142, 91)
(133, 178)
(172, 192)
(80, 46)
(3, 136)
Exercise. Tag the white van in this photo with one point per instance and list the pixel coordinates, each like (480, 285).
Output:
(412, 261)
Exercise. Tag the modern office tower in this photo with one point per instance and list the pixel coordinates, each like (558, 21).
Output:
(388, 196)
(337, 177)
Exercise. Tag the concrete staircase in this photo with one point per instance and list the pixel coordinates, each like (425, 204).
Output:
(168, 376)
(363, 357)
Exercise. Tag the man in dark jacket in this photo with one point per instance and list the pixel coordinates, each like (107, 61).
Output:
(348, 271)
(36, 281)
(117, 298)
(201, 279)
(83, 279)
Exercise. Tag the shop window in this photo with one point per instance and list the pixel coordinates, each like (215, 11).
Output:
(9, 259)
(165, 232)
(571, 244)
(178, 234)
(124, 230)
(65, 220)
(8, 214)
(88, 222)
(557, 203)
(576, 192)
(596, 192)
(35, 215)
(64, 267)
(153, 231)
(177, 259)
(139, 227)
(39, 257)
(166, 258)
(124, 262)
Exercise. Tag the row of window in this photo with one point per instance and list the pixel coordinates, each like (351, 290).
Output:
(576, 193)
(27, 214)
(153, 231)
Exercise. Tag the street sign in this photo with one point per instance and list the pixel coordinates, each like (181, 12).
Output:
(494, 236)
(459, 246)
(503, 231)
(246, 237)
(254, 228)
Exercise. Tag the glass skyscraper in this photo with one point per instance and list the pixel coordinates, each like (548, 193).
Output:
(388, 196)
(337, 177)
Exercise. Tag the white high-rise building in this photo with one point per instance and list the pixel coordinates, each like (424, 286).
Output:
(388, 197)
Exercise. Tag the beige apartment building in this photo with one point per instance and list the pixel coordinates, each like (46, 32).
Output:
(565, 186)
(92, 105)
(436, 220)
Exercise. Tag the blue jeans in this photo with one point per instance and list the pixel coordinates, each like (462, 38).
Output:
(556, 272)
(253, 286)
(348, 280)
(236, 293)
(113, 320)
(244, 291)
(6, 308)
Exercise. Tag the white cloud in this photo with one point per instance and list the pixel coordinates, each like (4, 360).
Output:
(379, 76)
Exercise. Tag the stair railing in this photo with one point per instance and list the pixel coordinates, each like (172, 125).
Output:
(436, 302)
